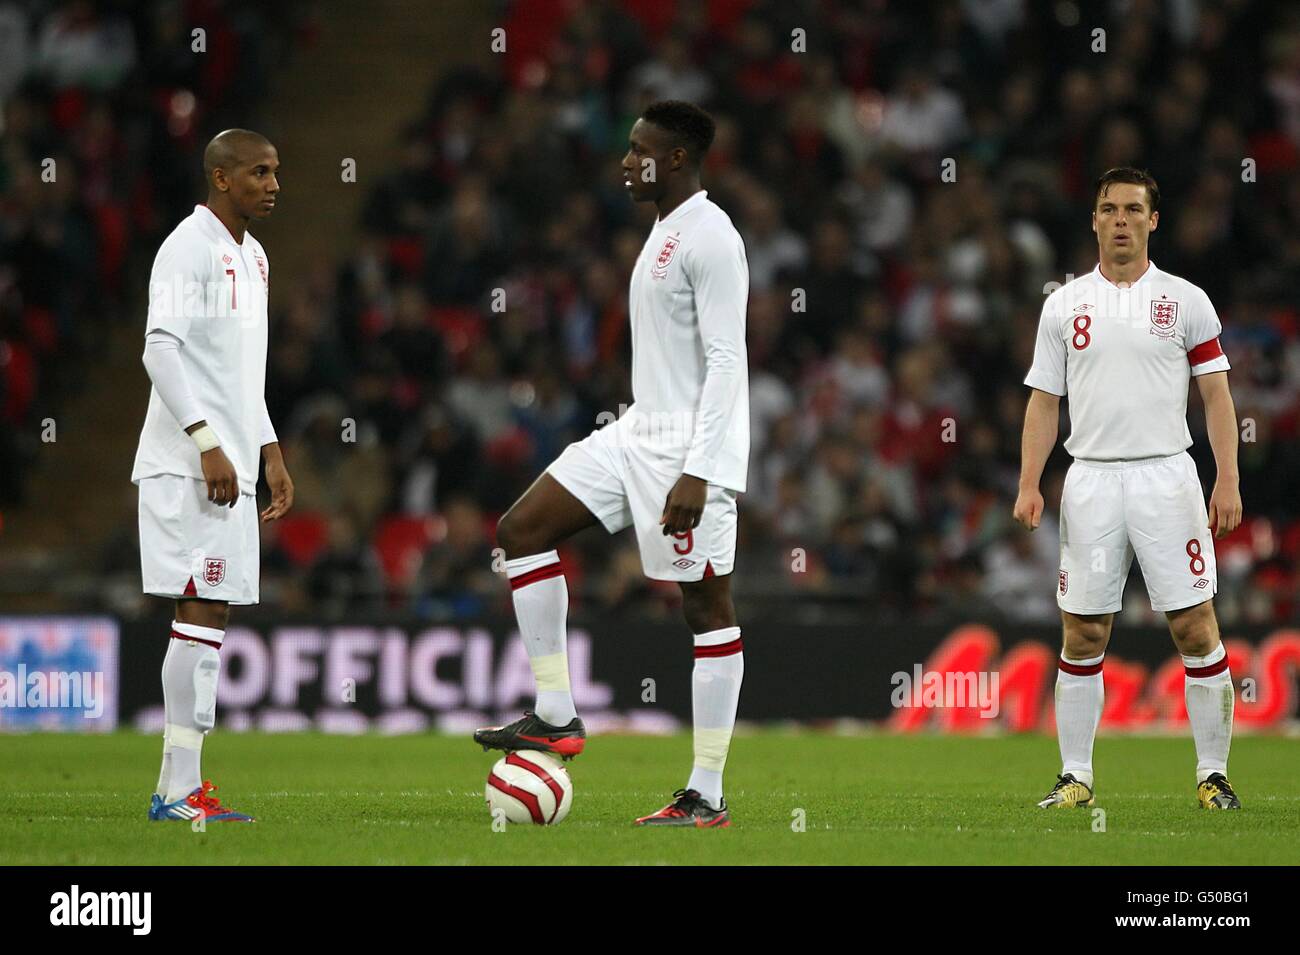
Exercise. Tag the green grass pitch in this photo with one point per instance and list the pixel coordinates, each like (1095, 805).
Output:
(865, 799)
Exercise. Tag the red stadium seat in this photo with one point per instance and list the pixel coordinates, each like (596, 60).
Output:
(1255, 538)
(461, 329)
(114, 240)
(510, 449)
(407, 253)
(303, 536)
(68, 108)
(1291, 542)
(41, 329)
(20, 380)
(401, 543)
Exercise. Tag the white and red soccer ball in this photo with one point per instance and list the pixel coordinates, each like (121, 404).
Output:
(530, 787)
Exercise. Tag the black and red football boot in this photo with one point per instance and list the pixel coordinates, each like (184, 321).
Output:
(689, 809)
(533, 733)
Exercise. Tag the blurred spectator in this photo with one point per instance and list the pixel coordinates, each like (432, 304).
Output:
(479, 320)
(81, 45)
(99, 158)
(346, 573)
(336, 463)
(1014, 570)
(921, 117)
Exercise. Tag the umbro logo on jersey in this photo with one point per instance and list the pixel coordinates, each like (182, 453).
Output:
(1082, 308)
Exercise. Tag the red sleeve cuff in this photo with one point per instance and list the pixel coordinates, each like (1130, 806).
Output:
(1205, 351)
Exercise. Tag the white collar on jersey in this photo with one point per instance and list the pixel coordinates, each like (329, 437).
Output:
(694, 200)
(221, 226)
(1149, 273)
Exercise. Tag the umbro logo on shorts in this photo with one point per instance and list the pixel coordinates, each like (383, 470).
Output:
(1202, 583)
(684, 563)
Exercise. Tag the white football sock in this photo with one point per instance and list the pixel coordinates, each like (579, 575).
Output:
(1207, 688)
(1080, 694)
(190, 672)
(186, 775)
(715, 694)
(165, 773)
(541, 598)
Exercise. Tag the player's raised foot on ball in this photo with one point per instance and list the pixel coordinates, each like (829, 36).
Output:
(532, 732)
(196, 804)
(688, 808)
(1068, 793)
(1216, 793)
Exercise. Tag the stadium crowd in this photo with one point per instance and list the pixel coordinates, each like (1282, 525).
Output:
(892, 308)
(102, 113)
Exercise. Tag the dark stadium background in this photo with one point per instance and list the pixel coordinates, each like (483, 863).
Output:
(866, 538)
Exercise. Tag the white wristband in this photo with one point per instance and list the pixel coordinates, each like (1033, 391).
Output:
(205, 438)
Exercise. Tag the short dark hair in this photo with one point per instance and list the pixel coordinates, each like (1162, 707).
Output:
(1136, 177)
(691, 127)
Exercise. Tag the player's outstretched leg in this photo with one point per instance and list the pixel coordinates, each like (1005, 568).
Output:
(529, 533)
(189, 675)
(1079, 698)
(1207, 688)
(715, 694)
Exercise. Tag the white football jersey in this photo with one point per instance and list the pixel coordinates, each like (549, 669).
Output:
(211, 293)
(1126, 357)
(688, 300)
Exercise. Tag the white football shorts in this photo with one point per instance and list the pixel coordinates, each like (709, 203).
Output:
(1154, 508)
(192, 547)
(624, 483)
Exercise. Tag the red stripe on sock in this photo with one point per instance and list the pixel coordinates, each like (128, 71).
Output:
(177, 635)
(533, 576)
(1075, 670)
(720, 650)
(1214, 669)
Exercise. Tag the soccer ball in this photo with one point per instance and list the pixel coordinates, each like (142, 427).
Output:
(530, 787)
